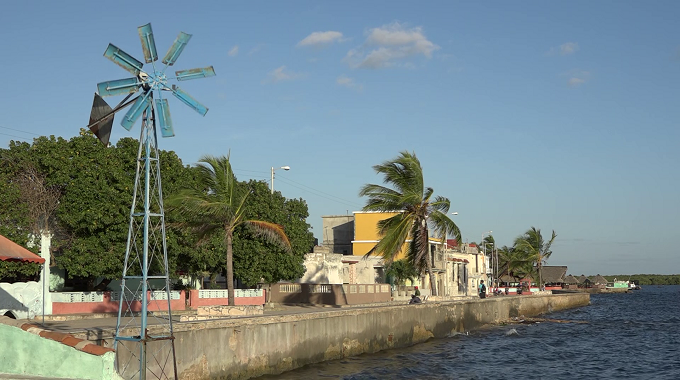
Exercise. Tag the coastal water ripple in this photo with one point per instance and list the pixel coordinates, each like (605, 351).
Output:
(630, 336)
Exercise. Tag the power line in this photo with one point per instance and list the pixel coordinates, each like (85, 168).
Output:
(304, 187)
(18, 130)
(249, 171)
(311, 188)
(319, 193)
(19, 137)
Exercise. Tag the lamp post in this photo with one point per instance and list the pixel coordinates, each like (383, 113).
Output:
(482, 242)
(491, 264)
(453, 213)
(273, 168)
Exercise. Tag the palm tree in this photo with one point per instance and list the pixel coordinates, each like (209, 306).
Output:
(400, 271)
(216, 206)
(417, 213)
(531, 243)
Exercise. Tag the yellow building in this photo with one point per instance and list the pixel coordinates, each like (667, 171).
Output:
(366, 233)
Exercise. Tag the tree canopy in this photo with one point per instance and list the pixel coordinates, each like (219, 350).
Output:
(89, 224)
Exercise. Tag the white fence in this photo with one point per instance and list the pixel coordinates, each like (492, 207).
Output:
(224, 293)
(75, 297)
(71, 297)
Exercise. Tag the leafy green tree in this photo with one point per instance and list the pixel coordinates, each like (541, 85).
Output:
(217, 204)
(15, 223)
(531, 246)
(90, 224)
(13, 271)
(95, 206)
(418, 213)
(256, 260)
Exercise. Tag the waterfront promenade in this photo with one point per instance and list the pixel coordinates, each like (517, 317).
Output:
(289, 337)
(96, 327)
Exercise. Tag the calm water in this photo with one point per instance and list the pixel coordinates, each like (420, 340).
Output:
(628, 336)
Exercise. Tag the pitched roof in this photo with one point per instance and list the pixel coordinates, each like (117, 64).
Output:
(570, 280)
(553, 274)
(11, 251)
(598, 280)
(582, 279)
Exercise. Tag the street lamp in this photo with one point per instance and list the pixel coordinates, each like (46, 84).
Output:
(482, 242)
(273, 168)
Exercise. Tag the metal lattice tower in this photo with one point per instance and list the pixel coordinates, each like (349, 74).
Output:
(144, 340)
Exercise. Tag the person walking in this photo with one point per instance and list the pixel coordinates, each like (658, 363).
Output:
(482, 289)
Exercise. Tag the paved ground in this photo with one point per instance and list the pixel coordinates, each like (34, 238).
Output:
(100, 326)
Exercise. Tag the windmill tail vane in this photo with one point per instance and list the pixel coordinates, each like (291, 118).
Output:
(149, 83)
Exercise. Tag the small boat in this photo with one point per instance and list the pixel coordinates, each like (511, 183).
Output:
(634, 285)
(618, 284)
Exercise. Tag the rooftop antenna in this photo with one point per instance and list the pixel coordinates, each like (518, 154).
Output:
(145, 287)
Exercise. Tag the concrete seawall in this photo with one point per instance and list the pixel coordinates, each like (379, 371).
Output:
(250, 347)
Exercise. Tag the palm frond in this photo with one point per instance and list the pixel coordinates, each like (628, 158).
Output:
(271, 232)
(443, 226)
(404, 173)
(394, 232)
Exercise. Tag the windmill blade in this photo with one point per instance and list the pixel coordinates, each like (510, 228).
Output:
(164, 118)
(195, 73)
(123, 59)
(189, 100)
(118, 87)
(176, 48)
(135, 111)
(148, 43)
(100, 123)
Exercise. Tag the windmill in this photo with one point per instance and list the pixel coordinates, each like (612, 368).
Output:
(145, 347)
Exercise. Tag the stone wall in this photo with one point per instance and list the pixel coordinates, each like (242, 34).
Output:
(250, 347)
(330, 294)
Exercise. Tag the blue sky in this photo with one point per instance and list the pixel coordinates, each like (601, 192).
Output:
(559, 115)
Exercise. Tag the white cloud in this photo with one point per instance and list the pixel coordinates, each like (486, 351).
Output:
(568, 48)
(390, 45)
(256, 49)
(575, 81)
(576, 78)
(281, 74)
(349, 83)
(234, 51)
(321, 38)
